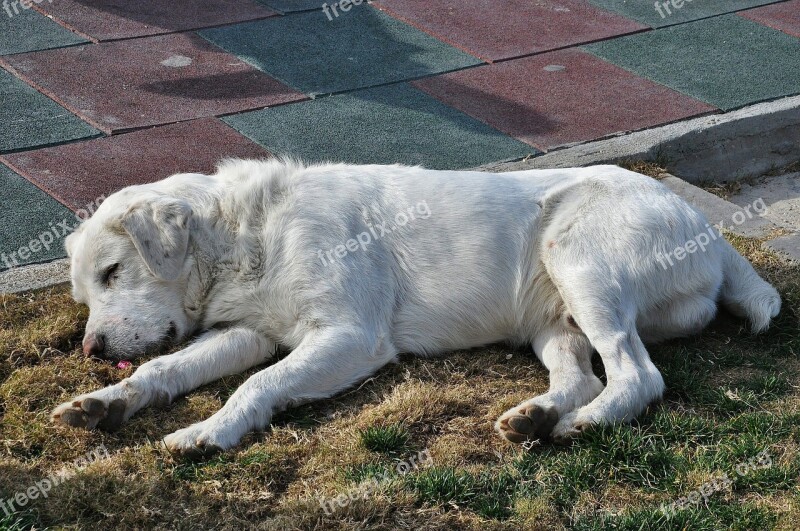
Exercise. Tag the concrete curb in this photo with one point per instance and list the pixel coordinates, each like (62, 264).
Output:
(719, 211)
(34, 276)
(787, 246)
(714, 148)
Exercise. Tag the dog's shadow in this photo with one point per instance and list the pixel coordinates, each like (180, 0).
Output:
(503, 366)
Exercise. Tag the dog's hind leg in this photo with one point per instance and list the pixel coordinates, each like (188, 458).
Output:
(566, 353)
(327, 361)
(605, 310)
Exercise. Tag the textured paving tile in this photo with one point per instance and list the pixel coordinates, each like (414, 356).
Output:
(726, 61)
(501, 30)
(394, 124)
(560, 97)
(291, 6)
(122, 85)
(27, 31)
(29, 119)
(784, 17)
(118, 19)
(361, 48)
(78, 173)
(32, 224)
(667, 12)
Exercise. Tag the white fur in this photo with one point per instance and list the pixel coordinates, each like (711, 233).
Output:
(564, 260)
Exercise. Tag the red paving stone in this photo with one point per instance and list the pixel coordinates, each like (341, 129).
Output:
(561, 97)
(784, 17)
(123, 85)
(103, 20)
(520, 27)
(77, 173)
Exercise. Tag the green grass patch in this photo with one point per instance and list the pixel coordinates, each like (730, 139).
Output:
(367, 471)
(488, 493)
(717, 516)
(611, 454)
(189, 470)
(22, 521)
(390, 440)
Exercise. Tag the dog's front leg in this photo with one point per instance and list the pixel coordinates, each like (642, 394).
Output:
(215, 354)
(326, 362)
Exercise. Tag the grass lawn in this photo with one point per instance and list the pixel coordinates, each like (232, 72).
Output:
(731, 397)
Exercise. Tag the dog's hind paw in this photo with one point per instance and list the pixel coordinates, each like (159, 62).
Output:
(571, 427)
(89, 413)
(526, 423)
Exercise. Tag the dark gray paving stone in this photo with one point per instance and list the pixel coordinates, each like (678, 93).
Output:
(726, 61)
(27, 31)
(360, 48)
(30, 119)
(385, 125)
(32, 224)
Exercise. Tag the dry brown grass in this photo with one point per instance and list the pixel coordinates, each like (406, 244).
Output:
(655, 169)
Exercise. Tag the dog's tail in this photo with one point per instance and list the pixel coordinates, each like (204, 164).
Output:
(746, 294)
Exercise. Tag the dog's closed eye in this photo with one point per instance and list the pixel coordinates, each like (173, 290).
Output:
(109, 275)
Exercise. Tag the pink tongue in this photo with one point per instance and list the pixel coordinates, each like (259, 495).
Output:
(123, 364)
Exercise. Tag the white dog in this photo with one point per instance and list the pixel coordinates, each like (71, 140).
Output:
(348, 266)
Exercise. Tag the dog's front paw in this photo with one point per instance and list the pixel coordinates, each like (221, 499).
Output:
(198, 441)
(526, 423)
(89, 412)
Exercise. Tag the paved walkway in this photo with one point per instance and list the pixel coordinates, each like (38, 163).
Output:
(94, 97)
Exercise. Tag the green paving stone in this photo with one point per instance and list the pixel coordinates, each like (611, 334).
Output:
(28, 31)
(361, 48)
(645, 11)
(31, 119)
(28, 214)
(394, 124)
(726, 61)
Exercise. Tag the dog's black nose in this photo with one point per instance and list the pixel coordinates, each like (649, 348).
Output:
(94, 345)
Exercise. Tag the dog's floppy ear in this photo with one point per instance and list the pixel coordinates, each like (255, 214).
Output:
(159, 228)
(69, 242)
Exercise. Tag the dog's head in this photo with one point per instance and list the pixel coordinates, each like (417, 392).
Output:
(129, 265)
